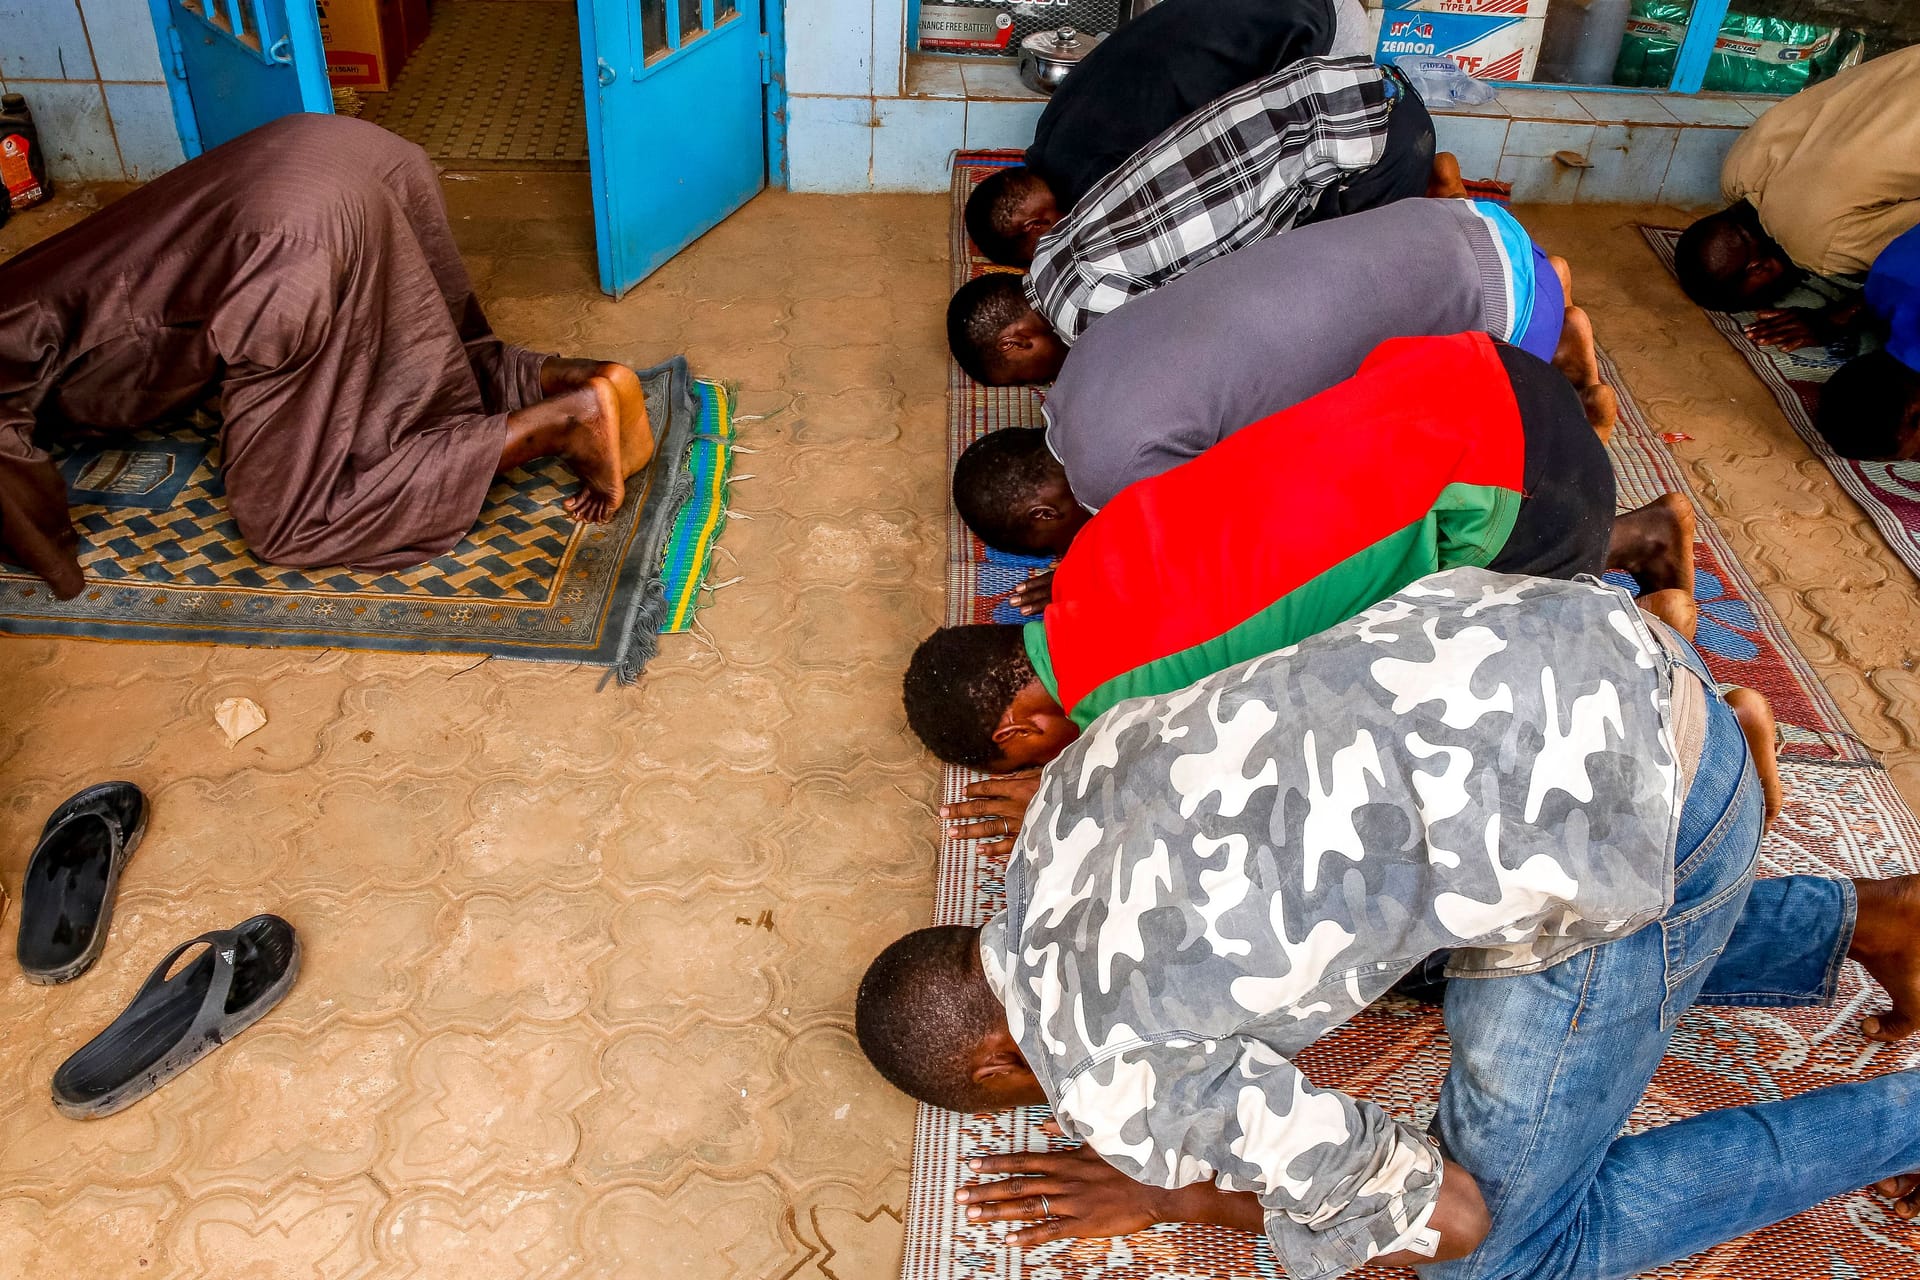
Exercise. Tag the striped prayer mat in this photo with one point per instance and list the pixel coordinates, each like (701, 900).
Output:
(1889, 492)
(1843, 817)
(696, 529)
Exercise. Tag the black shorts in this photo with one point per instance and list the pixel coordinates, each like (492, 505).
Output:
(1404, 167)
(1566, 511)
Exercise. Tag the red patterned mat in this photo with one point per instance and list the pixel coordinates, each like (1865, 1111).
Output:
(1889, 492)
(1843, 817)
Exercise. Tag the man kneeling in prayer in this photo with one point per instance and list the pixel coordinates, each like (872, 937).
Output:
(1277, 532)
(1527, 771)
(306, 272)
(1181, 367)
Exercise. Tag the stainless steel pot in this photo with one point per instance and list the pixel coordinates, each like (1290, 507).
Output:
(1047, 56)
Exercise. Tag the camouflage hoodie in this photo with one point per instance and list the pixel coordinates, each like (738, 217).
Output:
(1210, 880)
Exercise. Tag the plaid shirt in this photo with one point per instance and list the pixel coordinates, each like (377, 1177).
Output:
(1238, 170)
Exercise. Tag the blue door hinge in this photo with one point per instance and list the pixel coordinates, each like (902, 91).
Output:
(766, 59)
(177, 52)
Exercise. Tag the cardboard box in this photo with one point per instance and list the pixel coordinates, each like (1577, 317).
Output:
(1483, 8)
(364, 42)
(1485, 47)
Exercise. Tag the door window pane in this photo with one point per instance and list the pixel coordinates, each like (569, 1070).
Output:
(653, 28)
(722, 10)
(1584, 44)
(1761, 46)
(689, 20)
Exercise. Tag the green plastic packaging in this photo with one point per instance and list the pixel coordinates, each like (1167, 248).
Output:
(1752, 54)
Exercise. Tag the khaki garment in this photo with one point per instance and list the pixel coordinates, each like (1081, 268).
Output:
(1835, 170)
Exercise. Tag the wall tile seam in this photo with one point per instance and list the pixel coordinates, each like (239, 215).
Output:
(106, 108)
(84, 80)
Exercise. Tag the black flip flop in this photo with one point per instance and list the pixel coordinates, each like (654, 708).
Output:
(66, 902)
(175, 1021)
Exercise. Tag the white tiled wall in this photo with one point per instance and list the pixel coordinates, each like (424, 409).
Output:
(90, 70)
(862, 119)
(865, 120)
(1556, 146)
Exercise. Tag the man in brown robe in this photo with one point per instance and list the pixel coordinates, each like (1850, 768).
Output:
(306, 272)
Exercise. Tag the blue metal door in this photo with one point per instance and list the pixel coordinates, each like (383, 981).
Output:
(676, 121)
(241, 63)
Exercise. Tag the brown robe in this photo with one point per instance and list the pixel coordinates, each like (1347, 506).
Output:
(307, 273)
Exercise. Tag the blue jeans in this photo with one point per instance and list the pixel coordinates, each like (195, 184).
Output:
(1547, 1067)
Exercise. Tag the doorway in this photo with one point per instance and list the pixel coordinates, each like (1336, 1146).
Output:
(674, 105)
(494, 85)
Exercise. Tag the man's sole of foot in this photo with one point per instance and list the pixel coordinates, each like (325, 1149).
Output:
(1603, 410)
(636, 431)
(596, 459)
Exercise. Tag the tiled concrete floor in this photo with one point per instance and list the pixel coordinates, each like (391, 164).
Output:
(580, 964)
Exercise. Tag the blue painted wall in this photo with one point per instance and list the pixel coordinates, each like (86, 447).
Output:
(91, 71)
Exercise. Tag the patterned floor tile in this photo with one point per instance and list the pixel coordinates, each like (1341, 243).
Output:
(552, 930)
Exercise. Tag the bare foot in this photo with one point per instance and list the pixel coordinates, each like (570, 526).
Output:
(1579, 363)
(1904, 1191)
(592, 448)
(1755, 714)
(1444, 183)
(636, 432)
(1565, 272)
(1603, 410)
(1655, 544)
(561, 374)
(1674, 607)
(1886, 941)
(583, 426)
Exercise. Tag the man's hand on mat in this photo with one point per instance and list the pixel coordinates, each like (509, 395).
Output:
(1033, 595)
(1791, 328)
(993, 811)
(1074, 1194)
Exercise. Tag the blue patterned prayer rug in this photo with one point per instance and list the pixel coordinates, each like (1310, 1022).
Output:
(164, 561)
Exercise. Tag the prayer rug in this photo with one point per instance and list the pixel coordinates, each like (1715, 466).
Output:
(1843, 817)
(165, 562)
(1889, 492)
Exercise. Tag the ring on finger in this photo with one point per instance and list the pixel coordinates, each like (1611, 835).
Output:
(1003, 825)
(1045, 1212)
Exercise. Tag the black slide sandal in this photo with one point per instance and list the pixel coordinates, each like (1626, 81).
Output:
(175, 1021)
(66, 900)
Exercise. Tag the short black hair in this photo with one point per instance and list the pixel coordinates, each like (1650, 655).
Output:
(991, 211)
(922, 1006)
(1864, 403)
(997, 478)
(1711, 258)
(980, 312)
(958, 685)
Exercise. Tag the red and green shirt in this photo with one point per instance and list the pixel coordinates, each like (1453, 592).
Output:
(1283, 529)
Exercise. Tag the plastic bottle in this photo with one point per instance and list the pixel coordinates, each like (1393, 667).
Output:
(1439, 80)
(23, 166)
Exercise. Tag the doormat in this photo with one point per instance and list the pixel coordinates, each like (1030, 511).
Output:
(1842, 817)
(164, 561)
(1889, 492)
